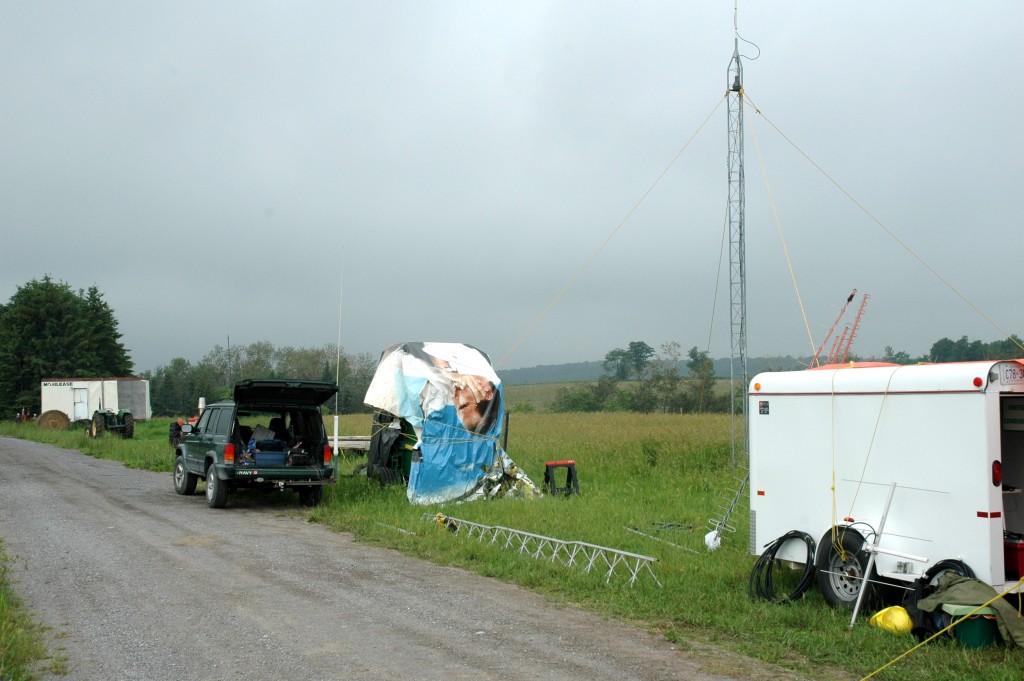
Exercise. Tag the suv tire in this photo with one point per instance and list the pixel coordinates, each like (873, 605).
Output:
(184, 481)
(216, 489)
(310, 496)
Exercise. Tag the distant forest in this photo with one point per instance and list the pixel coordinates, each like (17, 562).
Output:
(943, 350)
(48, 329)
(636, 378)
(577, 372)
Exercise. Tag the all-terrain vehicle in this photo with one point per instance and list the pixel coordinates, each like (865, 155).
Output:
(270, 436)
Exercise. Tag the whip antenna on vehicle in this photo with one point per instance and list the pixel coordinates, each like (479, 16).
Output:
(337, 359)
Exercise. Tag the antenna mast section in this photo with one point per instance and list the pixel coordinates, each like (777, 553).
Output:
(737, 291)
(737, 245)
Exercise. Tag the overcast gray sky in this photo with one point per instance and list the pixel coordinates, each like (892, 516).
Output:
(441, 170)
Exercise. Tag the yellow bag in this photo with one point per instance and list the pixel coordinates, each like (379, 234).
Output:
(894, 619)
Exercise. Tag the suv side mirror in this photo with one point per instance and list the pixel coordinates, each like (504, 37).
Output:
(186, 428)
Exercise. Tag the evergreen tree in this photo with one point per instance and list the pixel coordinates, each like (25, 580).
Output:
(49, 331)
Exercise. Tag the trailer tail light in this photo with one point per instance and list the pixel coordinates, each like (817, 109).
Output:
(978, 382)
(997, 473)
(229, 453)
(328, 455)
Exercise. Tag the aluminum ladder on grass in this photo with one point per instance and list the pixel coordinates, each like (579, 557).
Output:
(568, 553)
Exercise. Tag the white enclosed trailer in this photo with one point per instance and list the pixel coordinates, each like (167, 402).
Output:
(80, 398)
(827, 446)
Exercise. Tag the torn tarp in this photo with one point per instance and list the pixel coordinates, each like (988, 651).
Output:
(451, 397)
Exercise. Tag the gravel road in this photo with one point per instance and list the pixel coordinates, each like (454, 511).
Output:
(136, 582)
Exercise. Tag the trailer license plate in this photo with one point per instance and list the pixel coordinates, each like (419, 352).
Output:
(1010, 374)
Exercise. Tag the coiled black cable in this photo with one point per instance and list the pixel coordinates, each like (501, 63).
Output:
(762, 582)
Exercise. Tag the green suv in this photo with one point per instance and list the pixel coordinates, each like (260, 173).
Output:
(270, 436)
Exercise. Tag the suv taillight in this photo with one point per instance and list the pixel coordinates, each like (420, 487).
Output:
(328, 455)
(229, 453)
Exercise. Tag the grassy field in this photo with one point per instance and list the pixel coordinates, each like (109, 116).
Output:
(540, 397)
(648, 485)
(533, 397)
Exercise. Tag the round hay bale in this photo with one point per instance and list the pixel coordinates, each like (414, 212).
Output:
(53, 420)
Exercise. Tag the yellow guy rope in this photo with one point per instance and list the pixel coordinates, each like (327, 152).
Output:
(888, 231)
(778, 227)
(600, 248)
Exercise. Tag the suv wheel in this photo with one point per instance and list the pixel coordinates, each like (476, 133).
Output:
(216, 490)
(310, 496)
(184, 482)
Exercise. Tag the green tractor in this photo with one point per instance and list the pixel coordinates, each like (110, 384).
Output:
(121, 422)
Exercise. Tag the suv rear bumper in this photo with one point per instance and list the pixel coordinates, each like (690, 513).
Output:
(289, 475)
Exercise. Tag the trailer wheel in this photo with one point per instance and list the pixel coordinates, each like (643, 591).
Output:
(129, 427)
(931, 577)
(842, 568)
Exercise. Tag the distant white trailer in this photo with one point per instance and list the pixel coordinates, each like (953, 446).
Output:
(828, 444)
(80, 398)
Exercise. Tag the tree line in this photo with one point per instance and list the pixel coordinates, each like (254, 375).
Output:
(49, 330)
(175, 388)
(639, 379)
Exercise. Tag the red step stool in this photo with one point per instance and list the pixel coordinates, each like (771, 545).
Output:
(572, 482)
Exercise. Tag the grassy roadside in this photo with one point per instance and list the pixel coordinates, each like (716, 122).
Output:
(649, 483)
(22, 645)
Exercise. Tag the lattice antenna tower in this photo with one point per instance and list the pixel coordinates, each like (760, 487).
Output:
(737, 295)
(737, 252)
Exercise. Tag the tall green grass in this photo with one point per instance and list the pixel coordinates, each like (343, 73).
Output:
(649, 483)
(21, 639)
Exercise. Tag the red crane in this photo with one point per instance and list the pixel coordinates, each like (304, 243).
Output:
(840, 351)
